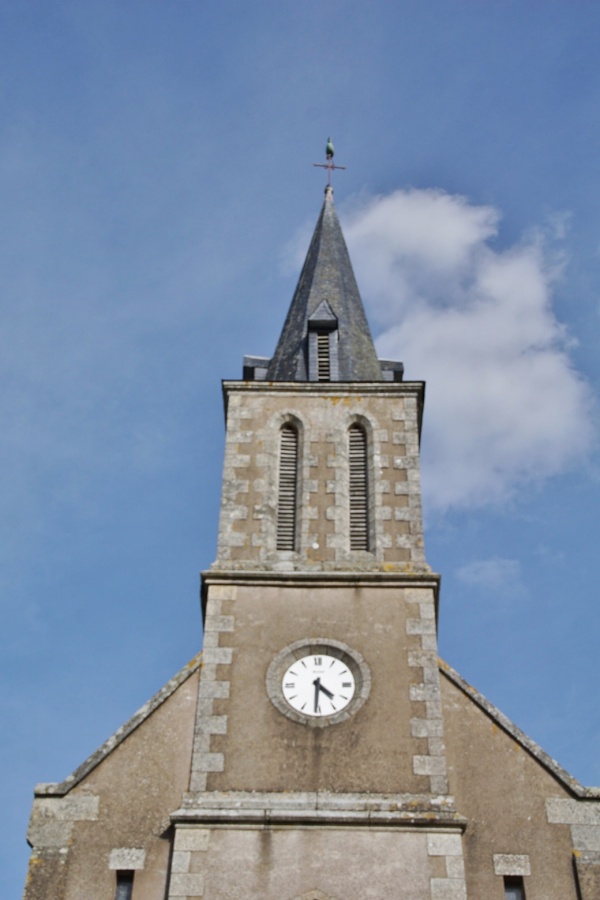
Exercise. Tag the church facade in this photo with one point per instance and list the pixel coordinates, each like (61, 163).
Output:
(318, 748)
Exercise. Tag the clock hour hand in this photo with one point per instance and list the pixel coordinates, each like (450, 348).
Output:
(325, 691)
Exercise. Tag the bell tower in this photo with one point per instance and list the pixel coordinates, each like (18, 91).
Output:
(318, 766)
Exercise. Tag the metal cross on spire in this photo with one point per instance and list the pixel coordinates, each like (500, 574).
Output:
(329, 165)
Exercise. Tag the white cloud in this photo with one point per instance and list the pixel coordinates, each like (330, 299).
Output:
(505, 405)
(496, 574)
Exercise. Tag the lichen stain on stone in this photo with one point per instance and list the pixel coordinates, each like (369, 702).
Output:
(193, 662)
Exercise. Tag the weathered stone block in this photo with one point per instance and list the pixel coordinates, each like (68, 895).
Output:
(218, 655)
(127, 858)
(191, 838)
(448, 889)
(429, 765)
(212, 725)
(208, 762)
(444, 844)
(586, 837)
(426, 728)
(572, 812)
(218, 623)
(511, 864)
(186, 886)
(180, 861)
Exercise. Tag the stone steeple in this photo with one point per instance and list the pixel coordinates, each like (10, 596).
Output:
(326, 336)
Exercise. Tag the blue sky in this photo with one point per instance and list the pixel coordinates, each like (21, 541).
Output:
(157, 192)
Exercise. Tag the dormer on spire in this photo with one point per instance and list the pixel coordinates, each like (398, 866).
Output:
(326, 335)
(323, 344)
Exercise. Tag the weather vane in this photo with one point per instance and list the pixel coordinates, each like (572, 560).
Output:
(329, 165)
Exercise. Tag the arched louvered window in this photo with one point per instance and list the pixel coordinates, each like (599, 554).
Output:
(288, 488)
(359, 488)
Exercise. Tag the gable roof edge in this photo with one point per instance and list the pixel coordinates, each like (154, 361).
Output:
(59, 789)
(550, 764)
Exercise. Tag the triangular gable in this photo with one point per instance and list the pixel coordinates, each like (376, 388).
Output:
(323, 316)
(59, 789)
(567, 780)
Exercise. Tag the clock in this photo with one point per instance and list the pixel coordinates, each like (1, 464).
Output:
(318, 685)
(318, 681)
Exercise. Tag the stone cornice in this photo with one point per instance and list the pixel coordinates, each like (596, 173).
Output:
(293, 578)
(323, 808)
(385, 388)
(392, 579)
(331, 388)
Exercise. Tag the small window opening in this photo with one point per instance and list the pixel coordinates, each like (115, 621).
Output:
(124, 884)
(359, 501)
(288, 488)
(323, 356)
(514, 887)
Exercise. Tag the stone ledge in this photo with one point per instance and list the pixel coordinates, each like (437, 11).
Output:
(271, 817)
(317, 800)
(413, 389)
(261, 809)
(387, 574)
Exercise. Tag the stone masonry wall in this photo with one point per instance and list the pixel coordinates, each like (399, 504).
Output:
(322, 414)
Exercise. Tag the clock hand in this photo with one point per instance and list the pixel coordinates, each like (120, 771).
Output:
(317, 684)
(326, 692)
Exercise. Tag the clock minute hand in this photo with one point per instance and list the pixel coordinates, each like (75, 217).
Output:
(317, 684)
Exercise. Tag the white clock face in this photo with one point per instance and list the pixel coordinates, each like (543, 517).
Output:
(318, 685)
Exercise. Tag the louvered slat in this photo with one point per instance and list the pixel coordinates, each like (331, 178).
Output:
(359, 523)
(288, 478)
(323, 361)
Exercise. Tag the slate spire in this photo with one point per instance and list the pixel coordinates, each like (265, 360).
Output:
(326, 307)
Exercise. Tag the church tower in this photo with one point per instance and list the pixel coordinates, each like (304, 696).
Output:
(317, 748)
(318, 754)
